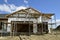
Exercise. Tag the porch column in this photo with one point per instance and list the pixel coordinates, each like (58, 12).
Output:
(35, 28)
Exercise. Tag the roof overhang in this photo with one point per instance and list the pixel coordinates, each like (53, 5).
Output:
(47, 15)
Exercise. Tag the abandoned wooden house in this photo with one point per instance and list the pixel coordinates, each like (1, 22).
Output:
(25, 20)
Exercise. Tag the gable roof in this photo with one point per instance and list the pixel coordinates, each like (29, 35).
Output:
(34, 10)
(15, 12)
(24, 10)
(37, 12)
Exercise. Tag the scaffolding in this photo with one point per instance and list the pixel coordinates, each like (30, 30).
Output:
(52, 23)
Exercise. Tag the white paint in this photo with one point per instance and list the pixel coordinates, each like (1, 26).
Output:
(44, 19)
(49, 28)
(21, 19)
(8, 28)
(39, 20)
(34, 28)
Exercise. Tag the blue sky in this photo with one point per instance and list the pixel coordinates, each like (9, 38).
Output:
(45, 6)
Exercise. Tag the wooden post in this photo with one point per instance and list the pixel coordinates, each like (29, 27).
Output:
(6, 26)
(29, 28)
(51, 27)
(42, 23)
(16, 28)
(11, 29)
(2, 29)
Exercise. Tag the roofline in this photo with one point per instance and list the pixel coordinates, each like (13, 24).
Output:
(40, 13)
(33, 9)
(15, 12)
(3, 18)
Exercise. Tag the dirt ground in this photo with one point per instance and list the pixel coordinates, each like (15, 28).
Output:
(33, 37)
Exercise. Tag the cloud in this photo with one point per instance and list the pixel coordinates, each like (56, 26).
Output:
(4, 7)
(54, 21)
(25, 1)
(6, 1)
(10, 8)
(20, 7)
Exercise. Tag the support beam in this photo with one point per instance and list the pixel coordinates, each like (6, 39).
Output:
(42, 24)
(11, 30)
(29, 28)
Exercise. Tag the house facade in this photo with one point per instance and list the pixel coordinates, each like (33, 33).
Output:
(25, 20)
